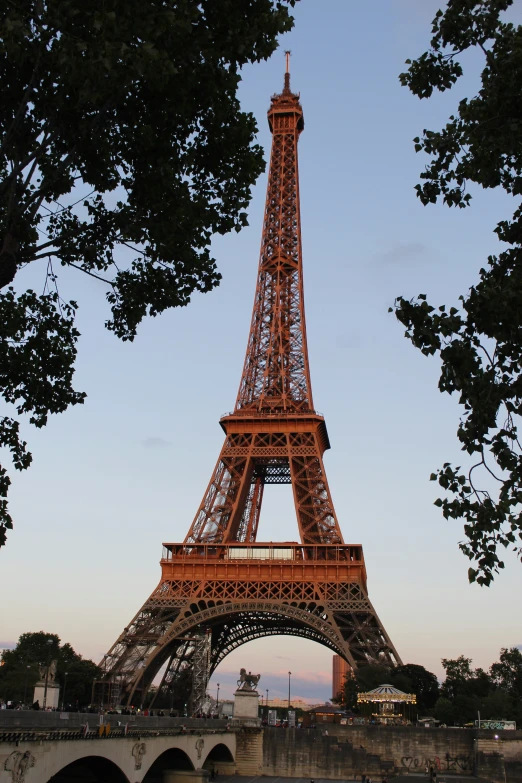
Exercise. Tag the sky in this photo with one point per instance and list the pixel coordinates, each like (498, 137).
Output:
(113, 479)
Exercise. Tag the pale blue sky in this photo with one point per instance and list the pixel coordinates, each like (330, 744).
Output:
(115, 478)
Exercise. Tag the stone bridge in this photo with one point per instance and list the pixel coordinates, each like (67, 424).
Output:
(115, 753)
(49, 748)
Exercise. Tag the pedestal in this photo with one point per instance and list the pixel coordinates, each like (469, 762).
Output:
(246, 705)
(53, 695)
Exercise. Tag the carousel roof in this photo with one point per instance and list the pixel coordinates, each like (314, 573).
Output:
(386, 693)
(385, 690)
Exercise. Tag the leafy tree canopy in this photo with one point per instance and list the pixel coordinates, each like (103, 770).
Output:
(465, 691)
(20, 669)
(478, 342)
(120, 128)
(507, 673)
(495, 694)
(410, 678)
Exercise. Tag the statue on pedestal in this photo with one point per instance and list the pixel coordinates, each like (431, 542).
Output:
(247, 682)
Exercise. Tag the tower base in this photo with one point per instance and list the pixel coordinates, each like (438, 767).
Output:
(238, 593)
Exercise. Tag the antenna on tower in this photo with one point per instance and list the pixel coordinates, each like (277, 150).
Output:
(287, 72)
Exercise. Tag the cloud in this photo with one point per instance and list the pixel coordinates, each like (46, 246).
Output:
(403, 252)
(283, 657)
(7, 645)
(155, 443)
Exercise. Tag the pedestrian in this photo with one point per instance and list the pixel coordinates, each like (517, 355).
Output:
(36, 705)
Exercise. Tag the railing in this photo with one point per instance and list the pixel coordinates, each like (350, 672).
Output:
(283, 552)
(268, 412)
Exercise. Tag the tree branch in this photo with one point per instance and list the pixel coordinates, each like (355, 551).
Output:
(91, 274)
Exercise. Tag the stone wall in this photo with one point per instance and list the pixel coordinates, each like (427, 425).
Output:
(249, 752)
(384, 750)
(373, 750)
(500, 760)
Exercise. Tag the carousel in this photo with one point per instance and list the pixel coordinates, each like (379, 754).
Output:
(387, 704)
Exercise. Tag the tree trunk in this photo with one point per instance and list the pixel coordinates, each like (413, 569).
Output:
(8, 260)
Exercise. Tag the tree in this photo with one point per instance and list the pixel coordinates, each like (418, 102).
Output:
(507, 673)
(20, 669)
(458, 675)
(479, 343)
(120, 129)
(413, 678)
(371, 676)
(495, 694)
(444, 710)
(409, 678)
(498, 705)
(350, 693)
(463, 681)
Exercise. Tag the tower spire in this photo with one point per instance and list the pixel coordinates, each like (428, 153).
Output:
(287, 72)
(276, 374)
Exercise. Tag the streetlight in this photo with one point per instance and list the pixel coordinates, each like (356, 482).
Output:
(64, 687)
(217, 700)
(267, 703)
(25, 688)
(289, 675)
(50, 642)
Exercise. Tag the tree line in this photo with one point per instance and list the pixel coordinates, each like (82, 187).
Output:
(464, 693)
(20, 670)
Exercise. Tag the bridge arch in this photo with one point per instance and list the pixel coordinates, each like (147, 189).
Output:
(219, 752)
(172, 758)
(90, 769)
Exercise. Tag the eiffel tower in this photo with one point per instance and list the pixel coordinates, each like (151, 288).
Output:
(221, 587)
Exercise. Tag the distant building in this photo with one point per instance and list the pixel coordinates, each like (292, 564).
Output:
(226, 708)
(339, 671)
(296, 704)
(324, 713)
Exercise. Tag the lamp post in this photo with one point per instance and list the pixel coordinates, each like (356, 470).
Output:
(289, 675)
(64, 688)
(217, 700)
(49, 641)
(267, 705)
(25, 688)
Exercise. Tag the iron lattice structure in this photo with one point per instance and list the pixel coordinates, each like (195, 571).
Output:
(220, 578)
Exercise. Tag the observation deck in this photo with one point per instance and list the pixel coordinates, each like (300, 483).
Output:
(268, 561)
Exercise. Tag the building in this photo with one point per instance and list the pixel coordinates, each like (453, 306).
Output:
(339, 671)
(324, 713)
(296, 704)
